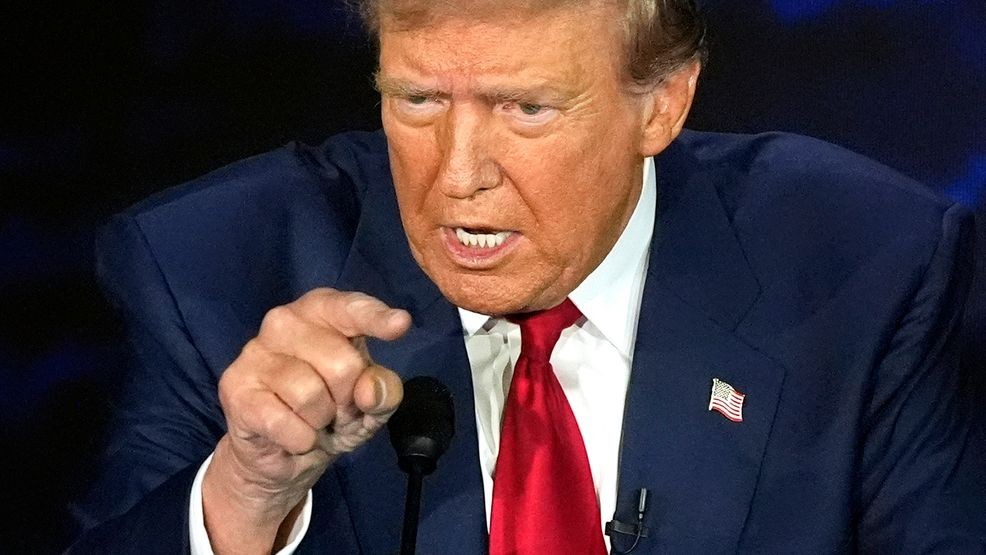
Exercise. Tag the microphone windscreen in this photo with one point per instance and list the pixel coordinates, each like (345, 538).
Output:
(423, 425)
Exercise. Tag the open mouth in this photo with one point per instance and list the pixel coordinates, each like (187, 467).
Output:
(481, 238)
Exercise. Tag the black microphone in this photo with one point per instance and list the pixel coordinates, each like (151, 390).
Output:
(636, 529)
(420, 431)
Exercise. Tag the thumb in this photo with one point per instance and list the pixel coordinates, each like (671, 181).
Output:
(378, 392)
(377, 395)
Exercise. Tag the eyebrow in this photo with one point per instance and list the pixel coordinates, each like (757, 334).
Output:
(498, 95)
(392, 86)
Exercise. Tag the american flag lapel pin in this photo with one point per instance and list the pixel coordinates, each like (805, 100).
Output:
(726, 400)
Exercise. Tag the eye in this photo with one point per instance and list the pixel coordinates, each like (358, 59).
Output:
(418, 106)
(416, 100)
(529, 113)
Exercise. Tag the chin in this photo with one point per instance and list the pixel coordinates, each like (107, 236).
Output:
(510, 289)
(490, 302)
(490, 295)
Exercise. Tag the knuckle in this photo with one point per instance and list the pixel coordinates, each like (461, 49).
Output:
(343, 367)
(320, 292)
(331, 303)
(273, 423)
(226, 391)
(277, 321)
(253, 351)
(361, 304)
(302, 390)
(230, 391)
(252, 358)
(320, 298)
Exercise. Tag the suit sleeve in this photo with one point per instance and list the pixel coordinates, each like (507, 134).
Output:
(168, 421)
(921, 489)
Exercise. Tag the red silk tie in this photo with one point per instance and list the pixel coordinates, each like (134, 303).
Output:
(544, 501)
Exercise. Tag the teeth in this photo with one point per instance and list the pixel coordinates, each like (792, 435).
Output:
(481, 240)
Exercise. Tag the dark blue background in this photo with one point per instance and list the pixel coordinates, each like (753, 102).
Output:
(108, 102)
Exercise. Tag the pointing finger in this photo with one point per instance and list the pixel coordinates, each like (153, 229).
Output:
(355, 314)
(371, 317)
(331, 354)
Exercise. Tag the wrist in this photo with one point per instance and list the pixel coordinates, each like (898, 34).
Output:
(243, 511)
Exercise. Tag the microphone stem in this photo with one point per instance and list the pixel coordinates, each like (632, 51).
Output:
(412, 507)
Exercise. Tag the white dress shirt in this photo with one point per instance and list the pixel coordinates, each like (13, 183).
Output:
(591, 359)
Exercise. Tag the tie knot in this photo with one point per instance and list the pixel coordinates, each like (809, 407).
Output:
(539, 331)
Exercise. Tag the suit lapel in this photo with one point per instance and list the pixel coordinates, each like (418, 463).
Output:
(700, 468)
(453, 512)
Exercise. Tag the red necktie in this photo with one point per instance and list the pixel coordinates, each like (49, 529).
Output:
(544, 501)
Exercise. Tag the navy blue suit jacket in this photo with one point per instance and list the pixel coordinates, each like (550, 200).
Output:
(823, 286)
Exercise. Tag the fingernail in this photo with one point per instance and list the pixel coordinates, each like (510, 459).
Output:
(380, 392)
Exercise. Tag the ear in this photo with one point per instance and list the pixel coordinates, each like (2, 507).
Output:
(666, 107)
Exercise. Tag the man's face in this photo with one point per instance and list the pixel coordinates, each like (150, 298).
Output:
(515, 151)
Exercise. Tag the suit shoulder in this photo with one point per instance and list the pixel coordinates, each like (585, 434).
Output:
(811, 217)
(258, 232)
(809, 182)
(263, 198)
(347, 161)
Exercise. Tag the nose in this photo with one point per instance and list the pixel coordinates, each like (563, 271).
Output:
(468, 167)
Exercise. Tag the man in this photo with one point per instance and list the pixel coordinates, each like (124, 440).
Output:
(277, 304)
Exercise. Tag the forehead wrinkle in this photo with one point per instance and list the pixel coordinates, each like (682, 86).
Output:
(451, 66)
(437, 74)
(493, 79)
(464, 45)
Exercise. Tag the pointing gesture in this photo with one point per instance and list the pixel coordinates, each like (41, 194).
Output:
(301, 393)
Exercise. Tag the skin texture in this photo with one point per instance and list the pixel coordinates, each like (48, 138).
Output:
(301, 393)
(516, 123)
(520, 124)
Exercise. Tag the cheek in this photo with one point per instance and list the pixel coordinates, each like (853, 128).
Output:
(411, 148)
(582, 205)
(566, 183)
(413, 164)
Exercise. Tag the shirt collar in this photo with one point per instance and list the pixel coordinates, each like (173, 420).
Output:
(609, 296)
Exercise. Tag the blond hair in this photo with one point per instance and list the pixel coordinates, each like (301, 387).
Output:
(660, 36)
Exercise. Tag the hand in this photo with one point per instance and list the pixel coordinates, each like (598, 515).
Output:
(301, 393)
